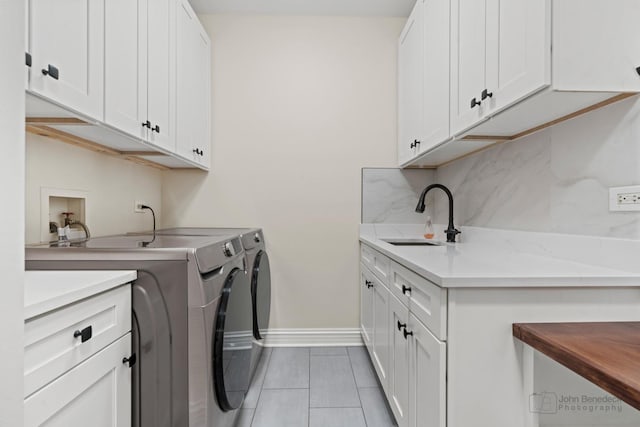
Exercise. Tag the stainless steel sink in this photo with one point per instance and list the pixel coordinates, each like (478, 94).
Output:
(412, 242)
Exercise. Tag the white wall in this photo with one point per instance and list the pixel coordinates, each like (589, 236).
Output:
(556, 180)
(12, 217)
(113, 185)
(300, 105)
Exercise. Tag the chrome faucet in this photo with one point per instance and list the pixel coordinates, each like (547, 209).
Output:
(451, 231)
(68, 221)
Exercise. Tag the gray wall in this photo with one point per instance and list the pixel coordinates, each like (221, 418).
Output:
(556, 180)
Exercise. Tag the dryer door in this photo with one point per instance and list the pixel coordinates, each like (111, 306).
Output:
(232, 341)
(261, 294)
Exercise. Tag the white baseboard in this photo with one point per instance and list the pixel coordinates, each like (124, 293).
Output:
(313, 337)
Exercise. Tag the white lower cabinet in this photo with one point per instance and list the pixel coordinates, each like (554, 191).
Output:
(77, 363)
(409, 358)
(366, 306)
(417, 371)
(380, 345)
(97, 392)
(374, 321)
(399, 362)
(446, 357)
(428, 379)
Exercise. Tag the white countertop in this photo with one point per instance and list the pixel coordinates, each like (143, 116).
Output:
(501, 258)
(48, 290)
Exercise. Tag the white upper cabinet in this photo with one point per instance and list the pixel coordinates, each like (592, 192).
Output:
(105, 72)
(410, 84)
(194, 87)
(423, 79)
(602, 51)
(125, 96)
(66, 43)
(502, 55)
(518, 51)
(436, 94)
(468, 55)
(140, 69)
(161, 73)
(517, 66)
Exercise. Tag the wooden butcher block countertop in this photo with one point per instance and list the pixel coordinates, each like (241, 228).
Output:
(605, 353)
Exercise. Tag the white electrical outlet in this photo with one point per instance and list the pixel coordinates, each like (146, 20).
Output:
(137, 206)
(624, 198)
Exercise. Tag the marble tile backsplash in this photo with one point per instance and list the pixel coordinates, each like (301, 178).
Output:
(390, 195)
(556, 180)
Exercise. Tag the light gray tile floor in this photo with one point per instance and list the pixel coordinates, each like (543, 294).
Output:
(315, 387)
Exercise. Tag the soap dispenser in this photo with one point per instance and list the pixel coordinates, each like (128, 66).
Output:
(428, 229)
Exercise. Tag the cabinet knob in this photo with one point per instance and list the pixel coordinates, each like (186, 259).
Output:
(84, 334)
(368, 283)
(407, 333)
(638, 70)
(156, 128)
(475, 102)
(415, 143)
(486, 94)
(51, 71)
(401, 325)
(198, 151)
(131, 360)
(146, 124)
(28, 60)
(406, 289)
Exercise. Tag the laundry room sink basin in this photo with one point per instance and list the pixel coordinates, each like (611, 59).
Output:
(412, 242)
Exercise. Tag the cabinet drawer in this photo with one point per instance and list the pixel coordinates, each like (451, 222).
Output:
(376, 262)
(425, 300)
(97, 392)
(50, 346)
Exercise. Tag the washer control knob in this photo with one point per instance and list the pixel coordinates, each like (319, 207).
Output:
(228, 249)
(256, 238)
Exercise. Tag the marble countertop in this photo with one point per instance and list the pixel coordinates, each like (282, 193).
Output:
(45, 291)
(500, 258)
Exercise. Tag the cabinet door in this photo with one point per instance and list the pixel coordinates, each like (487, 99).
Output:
(193, 87)
(410, 83)
(467, 62)
(399, 361)
(427, 379)
(436, 76)
(161, 73)
(99, 390)
(68, 35)
(366, 306)
(203, 97)
(518, 51)
(125, 97)
(381, 332)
